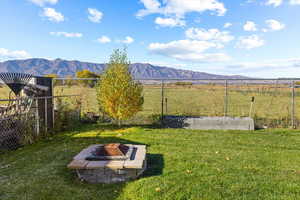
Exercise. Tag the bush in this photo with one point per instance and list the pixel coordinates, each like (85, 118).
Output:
(87, 74)
(67, 113)
(183, 83)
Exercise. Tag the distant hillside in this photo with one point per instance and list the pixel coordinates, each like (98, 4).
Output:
(62, 68)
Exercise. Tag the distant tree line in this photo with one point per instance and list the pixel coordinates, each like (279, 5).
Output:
(79, 74)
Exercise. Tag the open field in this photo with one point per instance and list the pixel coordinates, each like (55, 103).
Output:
(183, 164)
(272, 106)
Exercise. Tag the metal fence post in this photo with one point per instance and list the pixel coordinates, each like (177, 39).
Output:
(53, 103)
(80, 108)
(226, 99)
(166, 102)
(293, 105)
(53, 113)
(46, 115)
(162, 101)
(37, 117)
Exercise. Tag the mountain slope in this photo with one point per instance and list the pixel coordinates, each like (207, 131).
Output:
(62, 68)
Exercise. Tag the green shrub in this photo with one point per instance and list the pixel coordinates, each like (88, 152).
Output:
(184, 83)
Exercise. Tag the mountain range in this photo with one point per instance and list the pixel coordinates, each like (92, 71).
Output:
(40, 66)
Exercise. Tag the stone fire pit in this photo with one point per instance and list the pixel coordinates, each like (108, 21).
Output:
(110, 163)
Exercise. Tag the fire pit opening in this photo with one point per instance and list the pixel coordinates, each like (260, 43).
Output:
(113, 151)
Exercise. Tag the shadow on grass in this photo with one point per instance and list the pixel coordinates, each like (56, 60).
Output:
(110, 127)
(175, 121)
(155, 165)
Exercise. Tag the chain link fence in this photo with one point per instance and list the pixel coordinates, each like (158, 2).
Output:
(10, 133)
(25, 120)
(16, 122)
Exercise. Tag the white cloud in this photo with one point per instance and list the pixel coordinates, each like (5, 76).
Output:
(169, 22)
(250, 42)
(95, 15)
(289, 67)
(53, 15)
(128, 40)
(151, 4)
(250, 26)
(104, 39)
(8, 54)
(179, 8)
(274, 25)
(175, 64)
(275, 63)
(210, 34)
(66, 34)
(295, 2)
(227, 25)
(277, 3)
(274, 3)
(274, 68)
(189, 50)
(179, 46)
(43, 2)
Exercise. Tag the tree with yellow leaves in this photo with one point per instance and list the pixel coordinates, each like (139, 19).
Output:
(119, 96)
(89, 75)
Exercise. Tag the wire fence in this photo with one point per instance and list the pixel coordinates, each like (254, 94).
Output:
(10, 133)
(25, 120)
(271, 102)
(16, 120)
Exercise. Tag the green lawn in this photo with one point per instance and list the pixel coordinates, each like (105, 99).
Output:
(183, 164)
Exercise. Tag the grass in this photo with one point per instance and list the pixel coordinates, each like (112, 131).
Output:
(183, 164)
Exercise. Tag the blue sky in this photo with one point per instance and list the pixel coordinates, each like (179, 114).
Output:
(258, 38)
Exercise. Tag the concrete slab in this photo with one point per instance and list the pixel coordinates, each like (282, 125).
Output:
(78, 164)
(139, 158)
(210, 123)
(115, 164)
(85, 152)
(96, 164)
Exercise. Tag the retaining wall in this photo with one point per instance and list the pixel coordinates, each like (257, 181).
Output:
(209, 123)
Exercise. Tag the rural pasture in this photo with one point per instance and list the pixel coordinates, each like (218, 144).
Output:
(272, 107)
